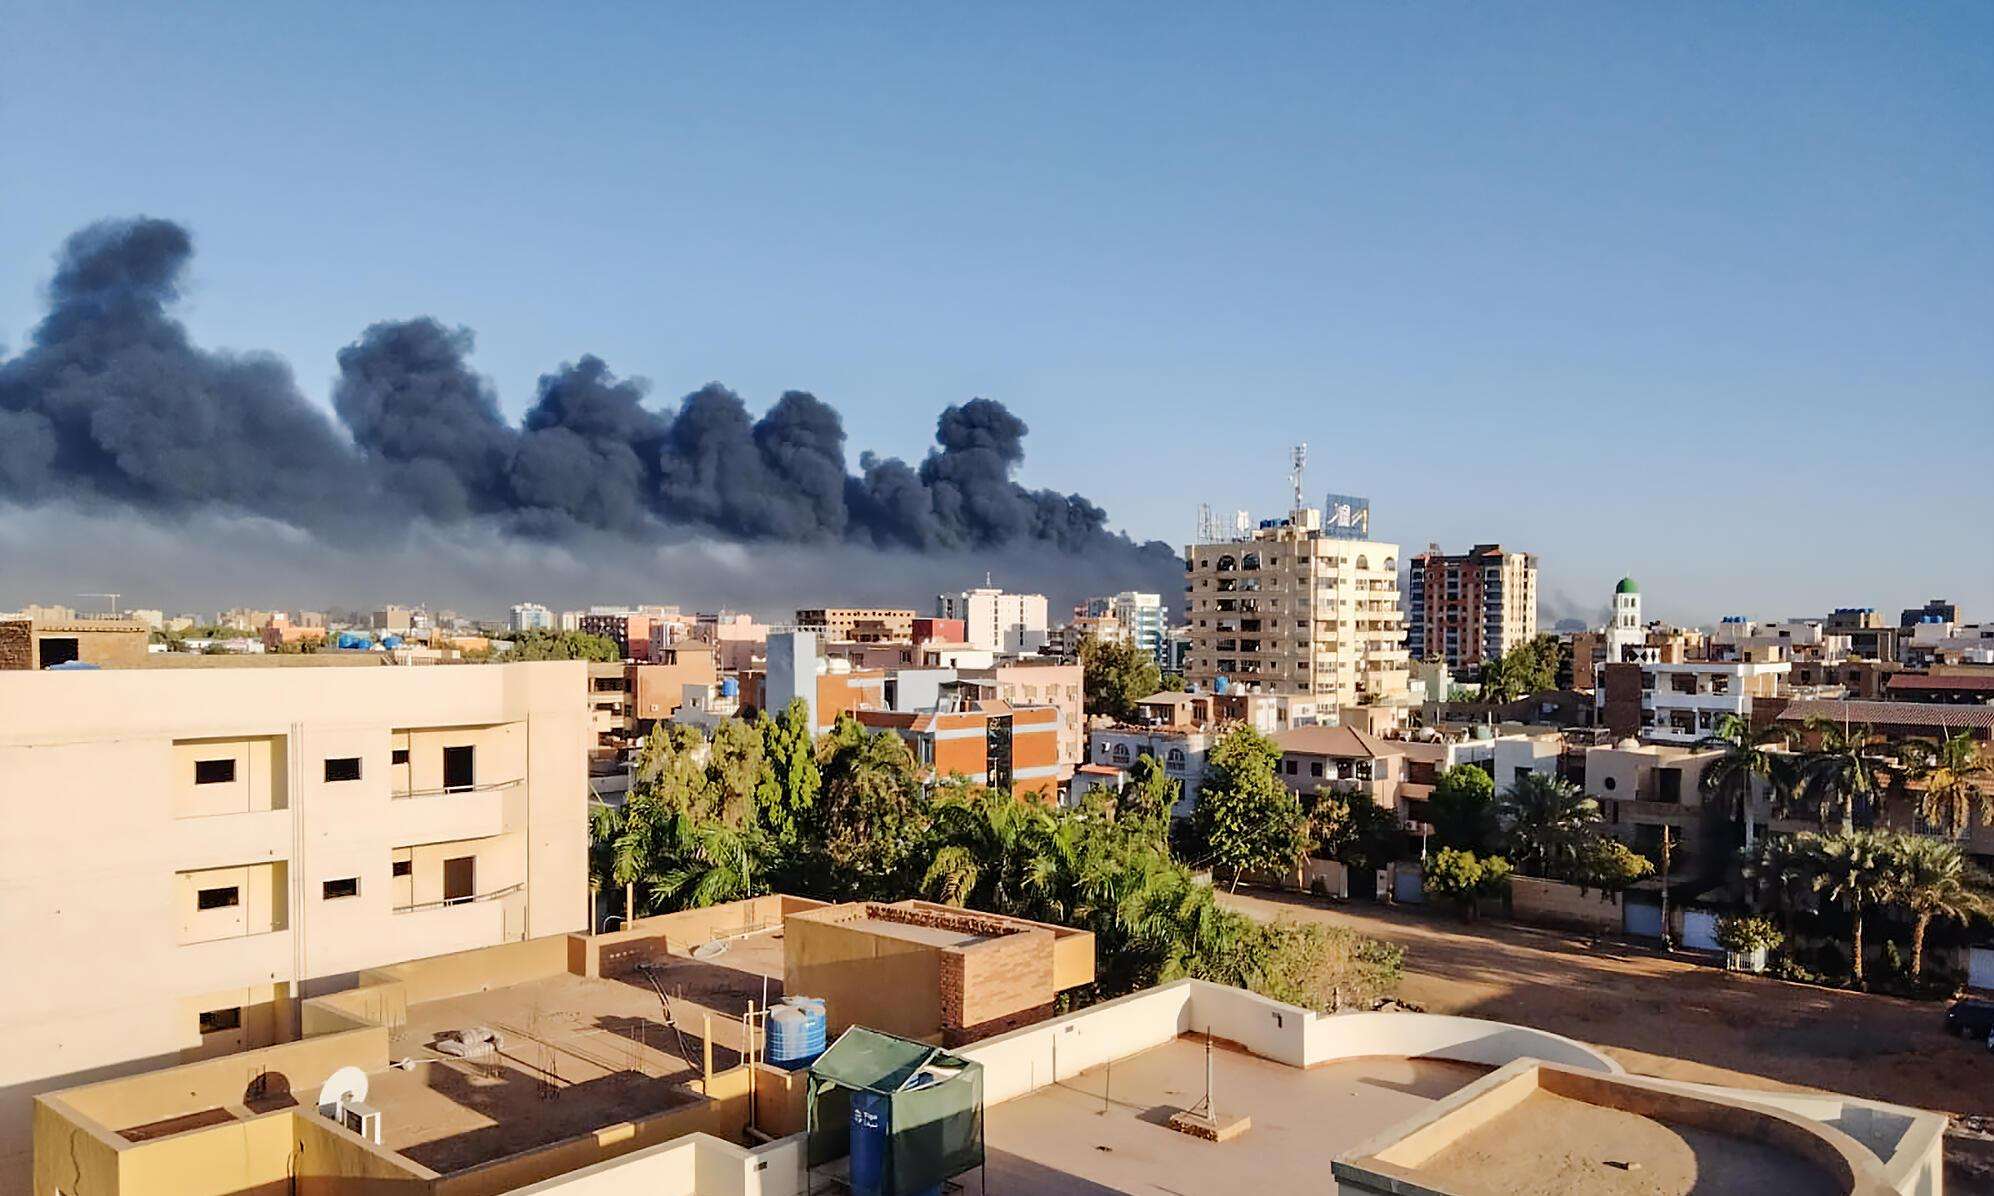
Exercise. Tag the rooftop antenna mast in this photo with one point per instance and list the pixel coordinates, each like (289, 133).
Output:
(1298, 460)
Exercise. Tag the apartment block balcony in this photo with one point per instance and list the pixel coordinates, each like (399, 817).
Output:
(436, 815)
(221, 840)
(237, 962)
(461, 923)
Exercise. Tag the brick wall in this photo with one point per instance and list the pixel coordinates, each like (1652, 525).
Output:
(17, 646)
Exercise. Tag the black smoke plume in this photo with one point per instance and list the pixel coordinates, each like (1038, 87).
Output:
(111, 406)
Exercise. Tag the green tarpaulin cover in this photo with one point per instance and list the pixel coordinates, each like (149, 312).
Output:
(935, 1129)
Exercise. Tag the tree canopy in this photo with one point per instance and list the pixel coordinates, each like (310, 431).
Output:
(1116, 676)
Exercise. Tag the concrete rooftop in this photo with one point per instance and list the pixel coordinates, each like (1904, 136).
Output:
(1103, 1130)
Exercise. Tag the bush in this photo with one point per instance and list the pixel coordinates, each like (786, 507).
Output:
(1464, 878)
(1327, 967)
(1745, 934)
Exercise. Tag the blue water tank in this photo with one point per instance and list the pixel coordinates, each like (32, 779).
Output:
(796, 1032)
(729, 687)
(1222, 685)
(872, 1115)
(391, 641)
(349, 640)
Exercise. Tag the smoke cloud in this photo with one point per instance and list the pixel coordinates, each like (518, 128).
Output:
(111, 408)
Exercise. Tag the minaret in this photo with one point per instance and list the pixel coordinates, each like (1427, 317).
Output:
(1625, 630)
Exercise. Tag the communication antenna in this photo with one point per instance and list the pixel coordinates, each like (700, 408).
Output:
(1298, 460)
(1205, 524)
(1242, 522)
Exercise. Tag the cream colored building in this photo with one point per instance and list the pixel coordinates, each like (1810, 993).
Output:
(1290, 609)
(184, 853)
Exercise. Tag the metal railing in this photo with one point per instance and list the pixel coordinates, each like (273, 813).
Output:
(494, 895)
(487, 787)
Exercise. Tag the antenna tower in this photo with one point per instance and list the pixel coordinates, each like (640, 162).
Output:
(1298, 460)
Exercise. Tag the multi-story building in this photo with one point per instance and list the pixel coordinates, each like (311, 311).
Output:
(1064, 641)
(1682, 702)
(1470, 607)
(859, 625)
(1043, 682)
(185, 853)
(1938, 610)
(1290, 608)
(531, 616)
(1140, 618)
(398, 619)
(1181, 748)
(996, 621)
(45, 643)
(631, 631)
(991, 743)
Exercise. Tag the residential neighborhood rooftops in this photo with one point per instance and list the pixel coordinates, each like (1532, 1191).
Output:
(1935, 715)
(1336, 741)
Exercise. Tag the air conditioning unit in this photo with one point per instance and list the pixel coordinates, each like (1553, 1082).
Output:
(364, 1120)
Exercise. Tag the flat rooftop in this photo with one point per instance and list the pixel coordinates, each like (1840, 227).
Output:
(934, 936)
(577, 1054)
(1104, 1130)
(1559, 1146)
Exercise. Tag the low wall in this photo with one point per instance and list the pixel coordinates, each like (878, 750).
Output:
(298, 1066)
(1025, 1060)
(1533, 899)
(724, 1115)
(690, 927)
(330, 1160)
(480, 969)
(697, 1163)
(1441, 1036)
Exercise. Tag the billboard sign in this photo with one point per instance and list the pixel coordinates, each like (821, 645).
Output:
(1346, 517)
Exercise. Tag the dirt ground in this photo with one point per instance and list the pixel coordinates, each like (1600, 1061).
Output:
(1680, 1017)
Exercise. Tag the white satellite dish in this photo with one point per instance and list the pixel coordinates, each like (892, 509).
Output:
(346, 1086)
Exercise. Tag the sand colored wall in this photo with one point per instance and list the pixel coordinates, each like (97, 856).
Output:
(1532, 899)
(996, 979)
(885, 983)
(1025, 1060)
(481, 969)
(106, 907)
(260, 776)
(697, 1163)
(330, 1160)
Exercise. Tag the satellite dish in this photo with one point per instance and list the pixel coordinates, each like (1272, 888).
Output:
(346, 1086)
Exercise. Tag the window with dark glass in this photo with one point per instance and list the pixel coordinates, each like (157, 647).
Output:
(342, 768)
(214, 772)
(214, 1021)
(218, 898)
(347, 886)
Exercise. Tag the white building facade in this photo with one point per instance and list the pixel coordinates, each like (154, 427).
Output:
(995, 621)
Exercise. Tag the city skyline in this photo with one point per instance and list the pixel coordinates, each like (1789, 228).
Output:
(1633, 318)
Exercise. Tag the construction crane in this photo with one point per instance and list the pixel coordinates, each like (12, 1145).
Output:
(115, 610)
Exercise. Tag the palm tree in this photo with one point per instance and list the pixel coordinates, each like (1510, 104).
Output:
(984, 843)
(706, 862)
(1853, 868)
(605, 827)
(1936, 881)
(1950, 771)
(1748, 757)
(1843, 773)
(1779, 873)
(1549, 823)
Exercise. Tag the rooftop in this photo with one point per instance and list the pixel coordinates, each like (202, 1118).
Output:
(1335, 741)
(1105, 1129)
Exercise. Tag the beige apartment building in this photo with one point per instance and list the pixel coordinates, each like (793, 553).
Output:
(186, 853)
(860, 625)
(1289, 608)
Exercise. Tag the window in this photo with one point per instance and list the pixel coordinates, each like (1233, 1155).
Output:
(398, 756)
(221, 898)
(1315, 768)
(214, 1021)
(459, 767)
(333, 890)
(214, 772)
(1609, 783)
(342, 768)
(1288, 766)
(402, 868)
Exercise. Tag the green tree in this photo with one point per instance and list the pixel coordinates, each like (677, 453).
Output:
(1463, 878)
(788, 782)
(1246, 820)
(1116, 676)
(1549, 824)
(1462, 809)
(1355, 831)
(1610, 866)
(1853, 869)
(1843, 773)
(1529, 668)
(872, 811)
(561, 645)
(1749, 758)
(735, 766)
(981, 846)
(1935, 881)
(1149, 797)
(1326, 967)
(670, 770)
(1950, 773)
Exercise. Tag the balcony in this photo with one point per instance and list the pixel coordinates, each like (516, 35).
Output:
(238, 962)
(459, 924)
(222, 840)
(437, 815)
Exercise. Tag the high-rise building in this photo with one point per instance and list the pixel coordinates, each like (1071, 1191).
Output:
(996, 621)
(1470, 607)
(1140, 616)
(860, 624)
(1291, 607)
(531, 616)
(257, 836)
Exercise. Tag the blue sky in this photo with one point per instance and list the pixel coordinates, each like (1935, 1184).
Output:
(1704, 293)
